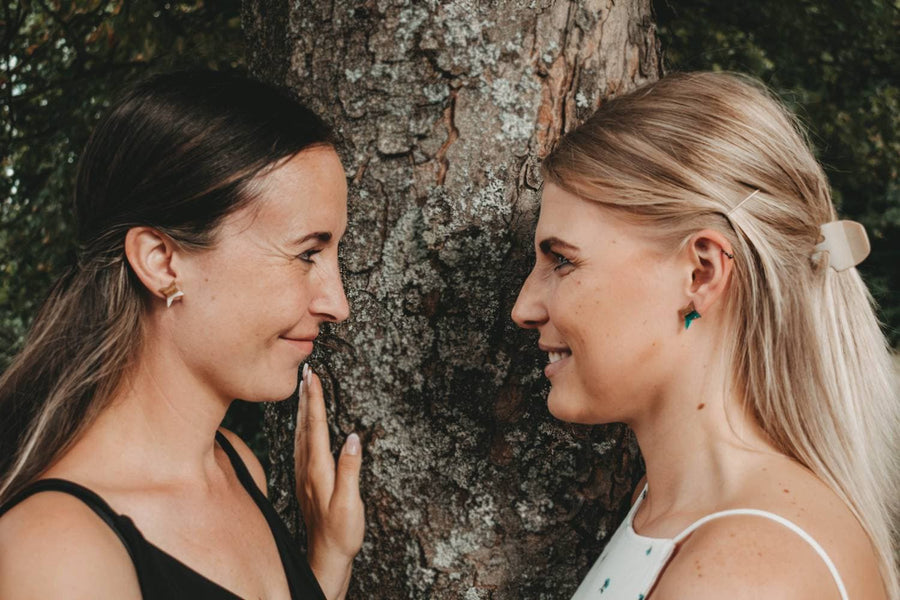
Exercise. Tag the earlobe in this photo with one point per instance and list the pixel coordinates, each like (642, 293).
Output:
(150, 253)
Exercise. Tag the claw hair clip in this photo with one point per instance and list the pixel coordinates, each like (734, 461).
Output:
(845, 242)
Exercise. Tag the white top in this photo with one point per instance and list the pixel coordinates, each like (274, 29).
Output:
(630, 564)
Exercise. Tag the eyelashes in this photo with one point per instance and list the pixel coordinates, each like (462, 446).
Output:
(554, 262)
(560, 261)
(307, 256)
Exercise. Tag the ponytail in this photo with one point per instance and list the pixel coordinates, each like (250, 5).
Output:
(82, 340)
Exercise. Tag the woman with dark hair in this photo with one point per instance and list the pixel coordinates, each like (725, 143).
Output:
(209, 211)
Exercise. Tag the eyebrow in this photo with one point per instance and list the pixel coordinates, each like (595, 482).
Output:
(322, 236)
(554, 242)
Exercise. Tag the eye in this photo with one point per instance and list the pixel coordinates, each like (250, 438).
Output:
(307, 256)
(560, 261)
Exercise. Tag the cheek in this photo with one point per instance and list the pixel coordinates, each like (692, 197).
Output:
(584, 310)
(613, 328)
(237, 306)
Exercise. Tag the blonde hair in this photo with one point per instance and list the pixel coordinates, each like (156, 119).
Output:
(807, 352)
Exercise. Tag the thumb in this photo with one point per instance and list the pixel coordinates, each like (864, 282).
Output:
(346, 485)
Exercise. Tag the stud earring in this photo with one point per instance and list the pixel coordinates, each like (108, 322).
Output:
(172, 293)
(689, 314)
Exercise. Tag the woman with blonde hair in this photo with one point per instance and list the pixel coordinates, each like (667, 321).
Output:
(209, 210)
(693, 281)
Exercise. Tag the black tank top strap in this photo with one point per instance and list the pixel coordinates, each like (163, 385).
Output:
(162, 575)
(88, 497)
(240, 469)
(301, 580)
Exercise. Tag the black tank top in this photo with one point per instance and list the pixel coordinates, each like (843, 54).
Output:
(163, 577)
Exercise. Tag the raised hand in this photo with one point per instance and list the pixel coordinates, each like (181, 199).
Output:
(329, 498)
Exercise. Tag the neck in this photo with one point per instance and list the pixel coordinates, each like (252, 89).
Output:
(161, 424)
(697, 439)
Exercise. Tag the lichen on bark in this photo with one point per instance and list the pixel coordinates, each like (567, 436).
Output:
(443, 110)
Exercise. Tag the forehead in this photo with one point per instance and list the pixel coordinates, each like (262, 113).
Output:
(563, 212)
(590, 225)
(306, 192)
(317, 169)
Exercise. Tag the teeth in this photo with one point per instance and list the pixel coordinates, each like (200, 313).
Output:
(556, 356)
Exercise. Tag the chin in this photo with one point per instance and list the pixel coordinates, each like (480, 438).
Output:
(285, 388)
(568, 408)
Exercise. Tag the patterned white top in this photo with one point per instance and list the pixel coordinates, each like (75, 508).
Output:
(630, 564)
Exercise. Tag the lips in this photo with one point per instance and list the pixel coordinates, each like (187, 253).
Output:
(557, 356)
(304, 345)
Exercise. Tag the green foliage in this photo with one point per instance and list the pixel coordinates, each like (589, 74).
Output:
(62, 62)
(836, 63)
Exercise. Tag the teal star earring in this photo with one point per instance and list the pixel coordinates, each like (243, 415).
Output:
(689, 314)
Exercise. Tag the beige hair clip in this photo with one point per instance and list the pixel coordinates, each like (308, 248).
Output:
(845, 242)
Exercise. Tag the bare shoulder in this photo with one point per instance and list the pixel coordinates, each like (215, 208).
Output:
(53, 546)
(250, 460)
(753, 556)
(743, 558)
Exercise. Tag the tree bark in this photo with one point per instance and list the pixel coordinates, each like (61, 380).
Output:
(443, 110)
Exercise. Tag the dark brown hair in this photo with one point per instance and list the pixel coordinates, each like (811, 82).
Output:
(178, 152)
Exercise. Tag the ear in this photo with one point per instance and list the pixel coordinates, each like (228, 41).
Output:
(150, 254)
(708, 253)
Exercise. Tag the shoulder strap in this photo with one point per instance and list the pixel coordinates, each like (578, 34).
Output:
(90, 498)
(238, 465)
(780, 520)
(637, 504)
(300, 577)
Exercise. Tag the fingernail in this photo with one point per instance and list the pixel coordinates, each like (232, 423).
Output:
(352, 446)
(309, 374)
(305, 369)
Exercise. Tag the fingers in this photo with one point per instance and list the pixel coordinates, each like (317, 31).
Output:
(346, 486)
(320, 462)
(329, 495)
(301, 451)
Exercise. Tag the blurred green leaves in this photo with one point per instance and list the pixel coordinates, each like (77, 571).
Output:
(61, 63)
(836, 63)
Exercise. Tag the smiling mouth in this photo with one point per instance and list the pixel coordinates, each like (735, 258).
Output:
(558, 356)
(304, 345)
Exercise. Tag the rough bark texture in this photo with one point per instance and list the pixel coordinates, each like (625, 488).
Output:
(443, 108)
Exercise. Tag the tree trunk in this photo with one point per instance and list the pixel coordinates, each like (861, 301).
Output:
(443, 109)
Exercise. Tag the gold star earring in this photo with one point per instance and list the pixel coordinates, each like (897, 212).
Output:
(172, 293)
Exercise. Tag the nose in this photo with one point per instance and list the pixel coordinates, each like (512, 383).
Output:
(529, 311)
(331, 301)
(341, 309)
